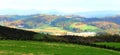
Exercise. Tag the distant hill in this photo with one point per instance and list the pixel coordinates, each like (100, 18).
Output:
(68, 23)
(99, 14)
(29, 12)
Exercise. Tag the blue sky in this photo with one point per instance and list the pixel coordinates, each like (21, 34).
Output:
(61, 5)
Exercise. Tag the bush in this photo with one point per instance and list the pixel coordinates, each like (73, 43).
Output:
(39, 36)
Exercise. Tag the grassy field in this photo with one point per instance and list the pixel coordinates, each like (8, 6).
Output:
(85, 27)
(8, 47)
(49, 29)
(111, 44)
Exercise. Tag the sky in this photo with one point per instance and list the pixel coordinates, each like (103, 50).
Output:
(61, 5)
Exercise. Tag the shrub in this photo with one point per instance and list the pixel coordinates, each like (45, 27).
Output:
(40, 36)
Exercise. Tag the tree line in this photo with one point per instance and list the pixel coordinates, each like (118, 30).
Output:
(7, 33)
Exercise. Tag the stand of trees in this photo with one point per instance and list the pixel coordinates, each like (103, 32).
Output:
(7, 33)
(17, 34)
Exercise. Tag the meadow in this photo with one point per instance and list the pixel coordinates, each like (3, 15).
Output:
(12, 47)
(85, 27)
(111, 44)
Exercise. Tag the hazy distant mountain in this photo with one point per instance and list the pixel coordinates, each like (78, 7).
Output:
(17, 12)
(98, 14)
(29, 12)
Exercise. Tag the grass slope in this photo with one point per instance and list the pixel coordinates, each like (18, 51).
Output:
(8, 47)
(49, 29)
(111, 44)
(84, 27)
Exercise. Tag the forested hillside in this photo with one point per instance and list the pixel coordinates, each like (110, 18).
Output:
(68, 23)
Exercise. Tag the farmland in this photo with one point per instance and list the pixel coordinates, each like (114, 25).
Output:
(111, 44)
(12, 47)
(84, 27)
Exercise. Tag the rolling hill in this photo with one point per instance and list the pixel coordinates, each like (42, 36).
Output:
(10, 47)
(69, 23)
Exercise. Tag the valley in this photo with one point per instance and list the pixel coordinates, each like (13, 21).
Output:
(59, 27)
(62, 24)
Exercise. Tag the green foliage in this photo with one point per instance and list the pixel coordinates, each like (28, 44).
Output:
(16, 34)
(39, 36)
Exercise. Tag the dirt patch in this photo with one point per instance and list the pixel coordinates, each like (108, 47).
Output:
(2, 52)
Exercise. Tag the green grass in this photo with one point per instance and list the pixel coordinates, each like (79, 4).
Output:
(111, 44)
(9, 47)
(88, 27)
(85, 27)
(49, 28)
